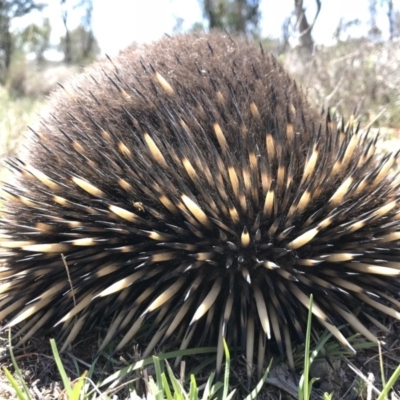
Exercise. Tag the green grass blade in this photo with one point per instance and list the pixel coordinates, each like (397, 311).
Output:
(157, 368)
(216, 389)
(60, 367)
(254, 393)
(392, 380)
(77, 389)
(179, 393)
(16, 368)
(227, 371)
(231, 394)
(116, 376)
(208, 387)
(304, 385)
(14, 384)
(193, 391)
(383, 379)
(167, 390)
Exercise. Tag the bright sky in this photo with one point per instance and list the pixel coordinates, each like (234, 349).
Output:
(118, 23)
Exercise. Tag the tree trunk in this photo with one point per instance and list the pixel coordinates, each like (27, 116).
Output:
(304, 27)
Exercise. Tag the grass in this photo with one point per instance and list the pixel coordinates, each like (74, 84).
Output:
(162, 383)
(15, 115)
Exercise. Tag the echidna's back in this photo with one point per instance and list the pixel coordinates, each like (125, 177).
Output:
(177, 86)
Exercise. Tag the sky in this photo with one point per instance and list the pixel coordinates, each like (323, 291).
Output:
(118, 23)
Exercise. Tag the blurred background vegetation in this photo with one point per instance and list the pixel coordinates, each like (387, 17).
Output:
(350, 73)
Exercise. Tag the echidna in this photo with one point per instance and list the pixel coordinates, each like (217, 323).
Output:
(189, 184)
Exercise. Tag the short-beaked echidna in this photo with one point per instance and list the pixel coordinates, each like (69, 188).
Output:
(189, 184)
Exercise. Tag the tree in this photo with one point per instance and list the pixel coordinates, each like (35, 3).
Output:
(235, 16)
(303, 26)
(67, 38)
(82, 46)
(10, 9)
(90, 46)
(343, 26)
(79, 45)
(374, 31)
(394, 20)
(35, 39)
(393, 15)
(390, 14)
